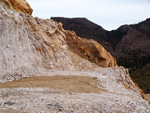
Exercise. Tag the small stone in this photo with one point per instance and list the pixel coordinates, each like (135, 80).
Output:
(24, 76)
(9, 103)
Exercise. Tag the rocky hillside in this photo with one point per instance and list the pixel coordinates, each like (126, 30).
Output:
(130, 44)
(44, 68)
(30, 45)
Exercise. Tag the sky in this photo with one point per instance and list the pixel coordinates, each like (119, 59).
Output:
(110, 14)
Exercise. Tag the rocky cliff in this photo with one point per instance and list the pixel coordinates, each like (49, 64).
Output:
(30, 44)
(33, 52)
(129, 44)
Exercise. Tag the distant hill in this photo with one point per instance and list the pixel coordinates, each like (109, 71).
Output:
(130, 44)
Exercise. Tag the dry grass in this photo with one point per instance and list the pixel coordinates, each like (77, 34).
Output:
(80, 84)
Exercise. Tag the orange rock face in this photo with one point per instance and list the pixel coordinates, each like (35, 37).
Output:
(19, 5)
(90, 50)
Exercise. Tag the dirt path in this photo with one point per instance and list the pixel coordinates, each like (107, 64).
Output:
(80, 84)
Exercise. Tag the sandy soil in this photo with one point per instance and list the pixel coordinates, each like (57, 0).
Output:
(80, 84)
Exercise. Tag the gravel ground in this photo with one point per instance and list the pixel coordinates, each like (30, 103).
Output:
(43, 100)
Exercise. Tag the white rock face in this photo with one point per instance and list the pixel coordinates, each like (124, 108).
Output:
(35, 47)
(25, 47)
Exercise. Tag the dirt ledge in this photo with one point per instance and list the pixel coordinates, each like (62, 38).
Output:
(79, 84)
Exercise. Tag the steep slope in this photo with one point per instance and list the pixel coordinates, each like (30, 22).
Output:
(33, 52)
(31, 45)
(25, 47)
(129, 44)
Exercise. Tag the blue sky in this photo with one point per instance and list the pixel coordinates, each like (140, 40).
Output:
(110, 14)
